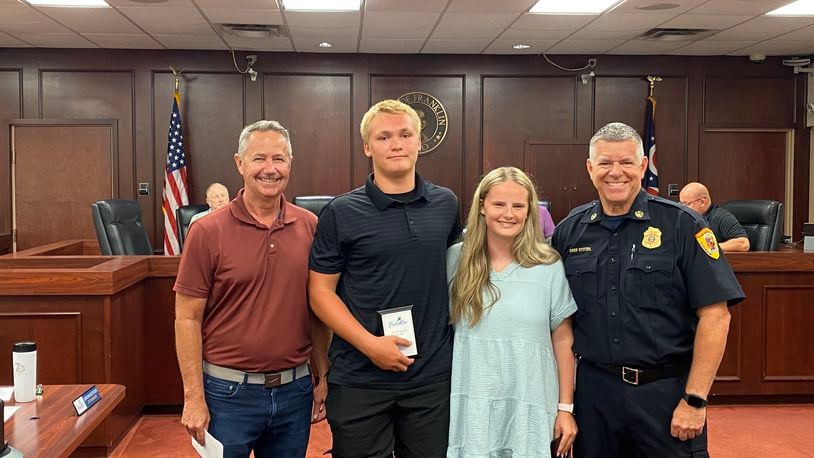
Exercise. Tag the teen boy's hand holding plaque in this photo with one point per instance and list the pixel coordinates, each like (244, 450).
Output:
(399, 322)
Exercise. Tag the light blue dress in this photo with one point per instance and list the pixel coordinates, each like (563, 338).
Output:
(504, 393)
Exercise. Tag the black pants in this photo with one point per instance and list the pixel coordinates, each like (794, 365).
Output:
(367, 422)
(617, 419)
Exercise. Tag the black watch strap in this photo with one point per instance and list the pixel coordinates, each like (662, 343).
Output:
(695, 401)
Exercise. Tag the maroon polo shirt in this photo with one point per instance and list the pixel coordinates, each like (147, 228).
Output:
(254, 278)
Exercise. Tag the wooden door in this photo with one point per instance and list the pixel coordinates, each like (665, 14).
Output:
(59, 168)
(558, 169)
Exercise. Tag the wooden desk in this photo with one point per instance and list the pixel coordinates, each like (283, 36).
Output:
(49, 427)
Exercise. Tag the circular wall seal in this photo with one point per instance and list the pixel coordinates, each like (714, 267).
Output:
(433, 119)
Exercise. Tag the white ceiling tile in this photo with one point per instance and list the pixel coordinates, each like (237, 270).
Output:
(455, 46)
(191, 41)
(710, 48)
(56, 40)
(490, 6)
(239, 4)
(316, 20)
(804, 34)
(763, 27)
(390, 46)
(398, 25)
(92, 20)
(340, 45)
(586, 34)
(706, 21)
(246, 16)
(423, 6)
(545, 26)
(163, 4)
(459, 26)
(753, 7)
(632, 6)
(7, 40)
(776, 48)
(636, 47)
(169, 21)
(505, 46)
(584, 46)
(282, 44)
(322, 34)
(622, 22)
(123, 41)
(24, 19)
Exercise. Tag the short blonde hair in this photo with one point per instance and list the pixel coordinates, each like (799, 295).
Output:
(389, 106)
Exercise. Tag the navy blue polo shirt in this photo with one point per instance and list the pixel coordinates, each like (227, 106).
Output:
(638, 280)
(724, 224)
(390, 252)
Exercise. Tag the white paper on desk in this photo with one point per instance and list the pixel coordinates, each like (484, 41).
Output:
(5, 393)
(8, 412)
(212, 449)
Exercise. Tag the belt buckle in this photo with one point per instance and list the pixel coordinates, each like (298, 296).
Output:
(630, 375)
(273, 380)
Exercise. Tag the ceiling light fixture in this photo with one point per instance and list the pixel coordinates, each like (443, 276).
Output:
(325, 44)
(321, 5)
(798, 8)
(521, 46)
(70, 3)
(573, 6)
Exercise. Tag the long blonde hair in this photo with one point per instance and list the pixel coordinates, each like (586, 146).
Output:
(472, 274)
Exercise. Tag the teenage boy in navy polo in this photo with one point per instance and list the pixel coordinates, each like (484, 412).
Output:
(243, 330)
(381, 247)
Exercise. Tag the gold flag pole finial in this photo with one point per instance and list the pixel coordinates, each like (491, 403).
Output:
(177, 74)
(652, 79)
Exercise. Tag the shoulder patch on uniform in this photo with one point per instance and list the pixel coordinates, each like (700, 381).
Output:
(708, 243)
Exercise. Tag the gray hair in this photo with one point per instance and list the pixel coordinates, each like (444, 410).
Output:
(616, 132)
(263, 126)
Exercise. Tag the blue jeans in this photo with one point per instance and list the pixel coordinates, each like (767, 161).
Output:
(274, 422)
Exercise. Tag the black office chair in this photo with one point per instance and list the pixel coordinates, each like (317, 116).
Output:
(762, 220)
(312, 203)
(119, 228)
(183, 215)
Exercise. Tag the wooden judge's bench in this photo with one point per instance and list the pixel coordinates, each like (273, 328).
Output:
(109, 319)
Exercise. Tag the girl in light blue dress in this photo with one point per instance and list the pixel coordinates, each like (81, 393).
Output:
(513, 367)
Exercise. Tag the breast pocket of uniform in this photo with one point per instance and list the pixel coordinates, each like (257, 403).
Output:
(648, 283)
(581, 273)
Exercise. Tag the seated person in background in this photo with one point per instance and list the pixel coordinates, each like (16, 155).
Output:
(546, 223)
(730, 234)
(216, 196)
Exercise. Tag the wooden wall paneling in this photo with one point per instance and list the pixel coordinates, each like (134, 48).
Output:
(789, 320)
(445, 164)
(126, 310)
(802, 157)
(518, 109)
(730, 368)
(159, 343)
(559, 170)
(84, 94)
(764, 102)
(758, 157)
(53, 205)
(59, 344)
(317, 111)
(10, 108)
(623, 99)
(212, 114)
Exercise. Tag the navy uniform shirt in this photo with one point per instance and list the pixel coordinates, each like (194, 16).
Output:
(390, 253)
(638, 280)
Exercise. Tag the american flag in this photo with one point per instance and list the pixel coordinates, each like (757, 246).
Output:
(175, 180)
(650, 182)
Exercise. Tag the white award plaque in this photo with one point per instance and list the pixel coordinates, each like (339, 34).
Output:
(398, 322)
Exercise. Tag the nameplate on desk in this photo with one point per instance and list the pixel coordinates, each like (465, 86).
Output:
(87, 400)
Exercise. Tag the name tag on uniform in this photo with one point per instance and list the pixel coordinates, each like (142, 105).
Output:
(398, 322)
